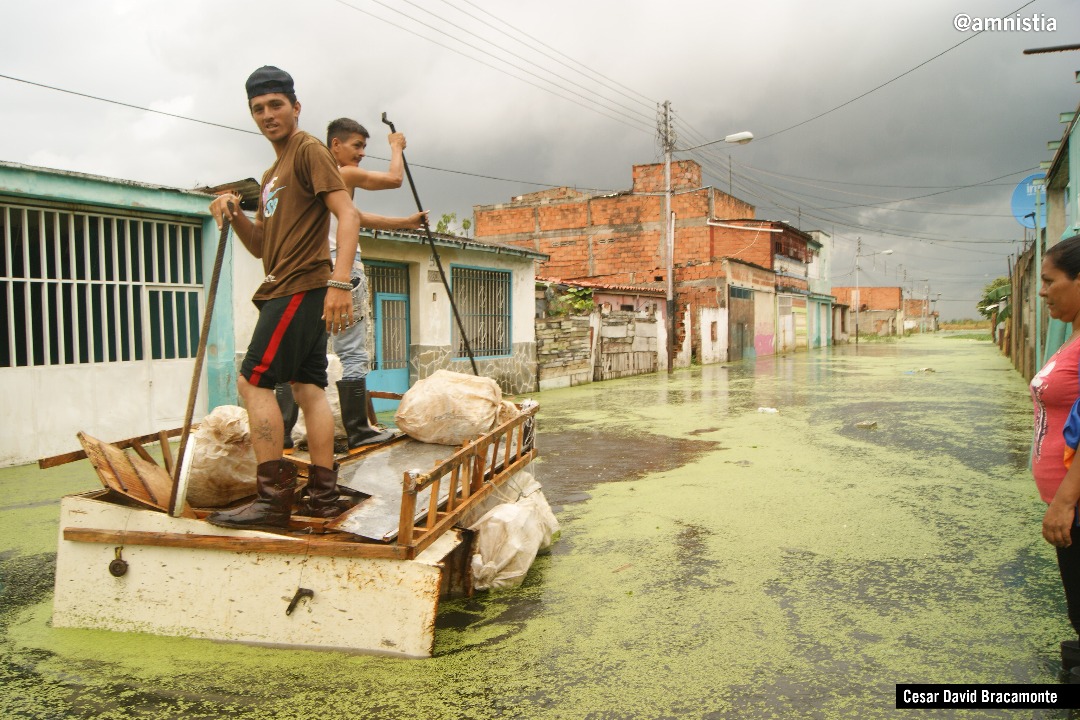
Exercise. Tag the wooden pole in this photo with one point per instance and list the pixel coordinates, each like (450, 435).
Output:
(176, 498)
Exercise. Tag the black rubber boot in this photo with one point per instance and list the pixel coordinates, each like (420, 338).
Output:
(289, 410)
(276, 484)
(353, 396)
(321, 497)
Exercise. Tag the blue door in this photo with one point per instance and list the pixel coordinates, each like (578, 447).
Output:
(390, 366)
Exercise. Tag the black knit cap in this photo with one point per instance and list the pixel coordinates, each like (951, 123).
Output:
(269, 79)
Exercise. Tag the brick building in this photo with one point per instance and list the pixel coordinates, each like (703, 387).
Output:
(742, 285)
(880, 309)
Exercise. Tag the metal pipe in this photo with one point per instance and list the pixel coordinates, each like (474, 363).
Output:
(435, 254)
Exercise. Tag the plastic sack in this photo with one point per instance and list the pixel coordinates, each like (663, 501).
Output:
(507, 412)
(223, 464)
(509, 538)
(449, 408)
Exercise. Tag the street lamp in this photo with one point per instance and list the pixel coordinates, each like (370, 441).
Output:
(739, 138)
(858, 301)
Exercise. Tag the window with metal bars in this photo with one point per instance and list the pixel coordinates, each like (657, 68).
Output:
(482, 297)
(81, 286)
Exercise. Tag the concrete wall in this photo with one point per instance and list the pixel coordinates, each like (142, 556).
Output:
(714, 330)
(430, 315)
(111, 400)
(627, 346)
(577, 349)
(765, 323)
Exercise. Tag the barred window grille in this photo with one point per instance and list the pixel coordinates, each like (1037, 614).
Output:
(783, 304)
(482, 298)
(80, 286)
(386, 278)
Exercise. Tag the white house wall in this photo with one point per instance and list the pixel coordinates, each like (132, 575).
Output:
(713, 352)
(47, 404)
(431, 317)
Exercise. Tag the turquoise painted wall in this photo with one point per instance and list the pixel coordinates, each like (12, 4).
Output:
(69, 187)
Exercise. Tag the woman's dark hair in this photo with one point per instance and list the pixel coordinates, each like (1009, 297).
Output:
(1066, 256)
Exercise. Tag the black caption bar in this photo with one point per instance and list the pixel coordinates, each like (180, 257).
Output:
(987, 697)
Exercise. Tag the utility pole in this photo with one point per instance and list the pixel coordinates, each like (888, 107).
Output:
(667, 139)
(926, 308)
(858, 250)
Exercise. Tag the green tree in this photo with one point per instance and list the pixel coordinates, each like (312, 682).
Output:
(994, 291)
(448, 225)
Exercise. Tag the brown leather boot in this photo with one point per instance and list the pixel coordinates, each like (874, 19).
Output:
(321, 497)
(276, 483)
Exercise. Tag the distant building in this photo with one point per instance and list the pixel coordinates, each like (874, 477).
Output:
(876, 310)
(742, 286)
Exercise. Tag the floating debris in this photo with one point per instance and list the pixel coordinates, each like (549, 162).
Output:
(866, 424)
(768, 410)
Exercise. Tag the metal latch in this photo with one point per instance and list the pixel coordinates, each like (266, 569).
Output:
(118, 567)
(301, 593)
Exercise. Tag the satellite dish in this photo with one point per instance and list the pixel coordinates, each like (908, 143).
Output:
(1023, 201)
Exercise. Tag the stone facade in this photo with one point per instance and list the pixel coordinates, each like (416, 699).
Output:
(563, 351)
(627, 344)
(516, 374)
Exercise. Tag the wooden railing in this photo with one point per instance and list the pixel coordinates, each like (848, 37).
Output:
(472, 473)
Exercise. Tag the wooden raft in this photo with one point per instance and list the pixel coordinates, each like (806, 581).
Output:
(471, 474)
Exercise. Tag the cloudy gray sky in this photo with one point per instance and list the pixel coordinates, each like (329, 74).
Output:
(565, 92)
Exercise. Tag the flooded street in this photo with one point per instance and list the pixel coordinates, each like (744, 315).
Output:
(716, 561)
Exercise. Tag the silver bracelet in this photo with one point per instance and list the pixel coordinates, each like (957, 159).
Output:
(339, 285)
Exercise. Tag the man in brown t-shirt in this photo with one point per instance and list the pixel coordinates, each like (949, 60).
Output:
(303, 297)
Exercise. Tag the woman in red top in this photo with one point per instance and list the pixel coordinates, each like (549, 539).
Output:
(1054, 390)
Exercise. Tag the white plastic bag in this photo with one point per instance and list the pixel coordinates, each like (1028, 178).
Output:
(223, 464)
(449, 408)
(509, 538)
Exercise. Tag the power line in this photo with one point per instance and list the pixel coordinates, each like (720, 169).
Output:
(809, 210)
(896, 232)
(862, 184)
(255, 132)
(596, 107)
(505, 50)
(647, 102)
(884, 84)
(888, 201)
(129, 105)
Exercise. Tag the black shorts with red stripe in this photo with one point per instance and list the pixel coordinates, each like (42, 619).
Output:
(289, 342)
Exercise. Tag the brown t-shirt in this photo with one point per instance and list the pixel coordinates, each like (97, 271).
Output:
(295, 220)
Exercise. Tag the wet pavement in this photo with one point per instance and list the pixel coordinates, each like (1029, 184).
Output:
(716, 561)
